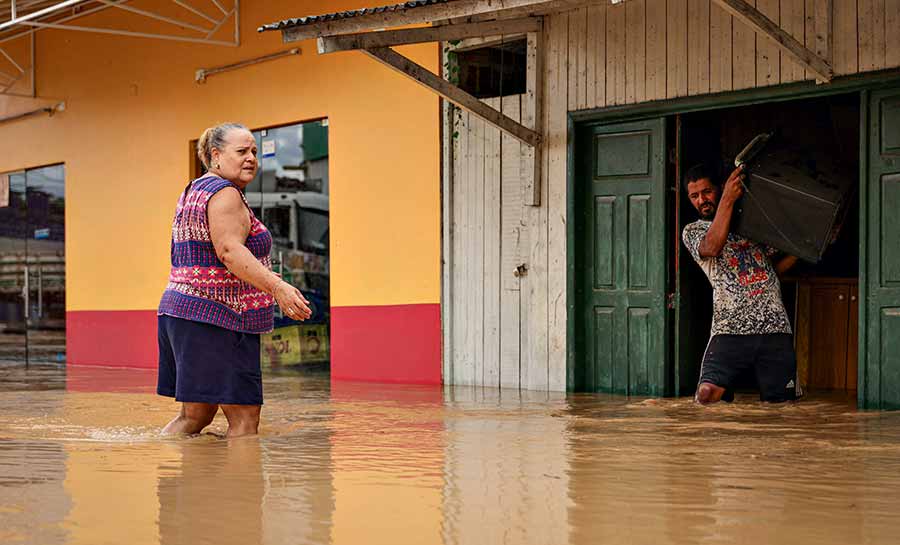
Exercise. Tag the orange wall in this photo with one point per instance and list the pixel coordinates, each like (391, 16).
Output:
(133, 107)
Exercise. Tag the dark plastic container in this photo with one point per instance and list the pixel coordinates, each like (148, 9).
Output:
(793, 200)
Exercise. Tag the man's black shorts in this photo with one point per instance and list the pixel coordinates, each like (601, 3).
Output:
(771, 357)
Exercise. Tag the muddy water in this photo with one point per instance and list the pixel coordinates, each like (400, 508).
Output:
(80, 462)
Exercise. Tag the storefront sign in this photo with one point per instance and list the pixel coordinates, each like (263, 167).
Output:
(268, 148)
(41, 234)
(295, 345)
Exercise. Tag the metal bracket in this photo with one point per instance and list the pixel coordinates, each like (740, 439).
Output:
(193, 25)
(202, 73)
(14, 69)
(193, 21)
(49, 110)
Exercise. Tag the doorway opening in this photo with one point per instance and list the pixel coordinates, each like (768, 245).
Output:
(821, 298)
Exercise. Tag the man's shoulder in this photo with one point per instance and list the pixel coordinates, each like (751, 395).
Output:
(696, 227)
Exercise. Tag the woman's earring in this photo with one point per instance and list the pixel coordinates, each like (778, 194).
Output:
(216, 166)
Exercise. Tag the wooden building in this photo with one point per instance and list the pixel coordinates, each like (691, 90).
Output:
(562, 209)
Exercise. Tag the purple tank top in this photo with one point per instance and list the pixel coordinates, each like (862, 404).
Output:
(200, 287)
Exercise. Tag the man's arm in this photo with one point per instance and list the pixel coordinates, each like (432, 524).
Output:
(715, 238)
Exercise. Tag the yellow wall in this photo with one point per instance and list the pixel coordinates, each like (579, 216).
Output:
(133, 107)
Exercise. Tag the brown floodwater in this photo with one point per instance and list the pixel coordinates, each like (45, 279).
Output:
(348, 463)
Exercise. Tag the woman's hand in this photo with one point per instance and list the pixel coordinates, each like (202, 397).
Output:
(291, 301)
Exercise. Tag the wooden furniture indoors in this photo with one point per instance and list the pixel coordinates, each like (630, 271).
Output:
(826, 336)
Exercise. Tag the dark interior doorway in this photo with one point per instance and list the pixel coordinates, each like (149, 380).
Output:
(821, 299)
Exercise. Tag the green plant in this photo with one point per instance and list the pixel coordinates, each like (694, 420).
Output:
(451, 74)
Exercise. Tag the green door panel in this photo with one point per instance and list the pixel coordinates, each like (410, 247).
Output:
(620, 259)
(890, 224)
(880, 376)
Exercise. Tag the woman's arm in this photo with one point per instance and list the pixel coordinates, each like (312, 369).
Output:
(229, 226)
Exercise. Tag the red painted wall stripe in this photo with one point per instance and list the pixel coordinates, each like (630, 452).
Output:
(113, 338)
(91, 378)
(397, 343)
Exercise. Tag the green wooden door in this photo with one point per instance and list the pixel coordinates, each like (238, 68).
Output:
(880, 376)
(621, 338)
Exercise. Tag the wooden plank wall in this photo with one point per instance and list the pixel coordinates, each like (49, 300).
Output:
(486, 216)
(508, 331)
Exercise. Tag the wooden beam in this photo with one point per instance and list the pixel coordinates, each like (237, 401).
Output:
(454, 94)
(784, 41)
(545, 8)
(390, 38)
(469, 44)
(411, 16)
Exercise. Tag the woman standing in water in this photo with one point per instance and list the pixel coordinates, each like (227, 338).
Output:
(221, 292)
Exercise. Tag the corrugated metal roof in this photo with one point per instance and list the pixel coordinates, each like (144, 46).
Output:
(301, 21)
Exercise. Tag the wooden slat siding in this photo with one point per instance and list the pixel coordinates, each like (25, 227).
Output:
(846, 49)
(892, 35)
(473, 315)
(578, 24)
(793, 21)
(492, 252)
(635, 51)
(699, 54)
(473, 318)
(572, 47)
(615, 54)
(597, 45)
(655, 14)
(872, 39)
(865, 43)
(743, 51)
(477, 256)
(676, 49)
(447, 234)
(460, 366)
(460, 246)
(534, 285)
(511, 248)
(512, 195)
(554, 218)
(719, 49)
(768, 56)
(809, 37)
(456, 245)
(590, 57)
(819, 37)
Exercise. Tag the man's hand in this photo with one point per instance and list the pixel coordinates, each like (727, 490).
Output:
(734, 186)
(784, 264)
(717, 236)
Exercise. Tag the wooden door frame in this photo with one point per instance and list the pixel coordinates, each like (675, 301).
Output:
(859, 83)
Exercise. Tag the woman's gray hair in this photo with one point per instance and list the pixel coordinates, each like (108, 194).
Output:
(214, 138)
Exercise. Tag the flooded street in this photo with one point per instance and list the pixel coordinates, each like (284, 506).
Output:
(348, 463)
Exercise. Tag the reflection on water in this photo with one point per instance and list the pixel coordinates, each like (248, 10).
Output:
(81, 462)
